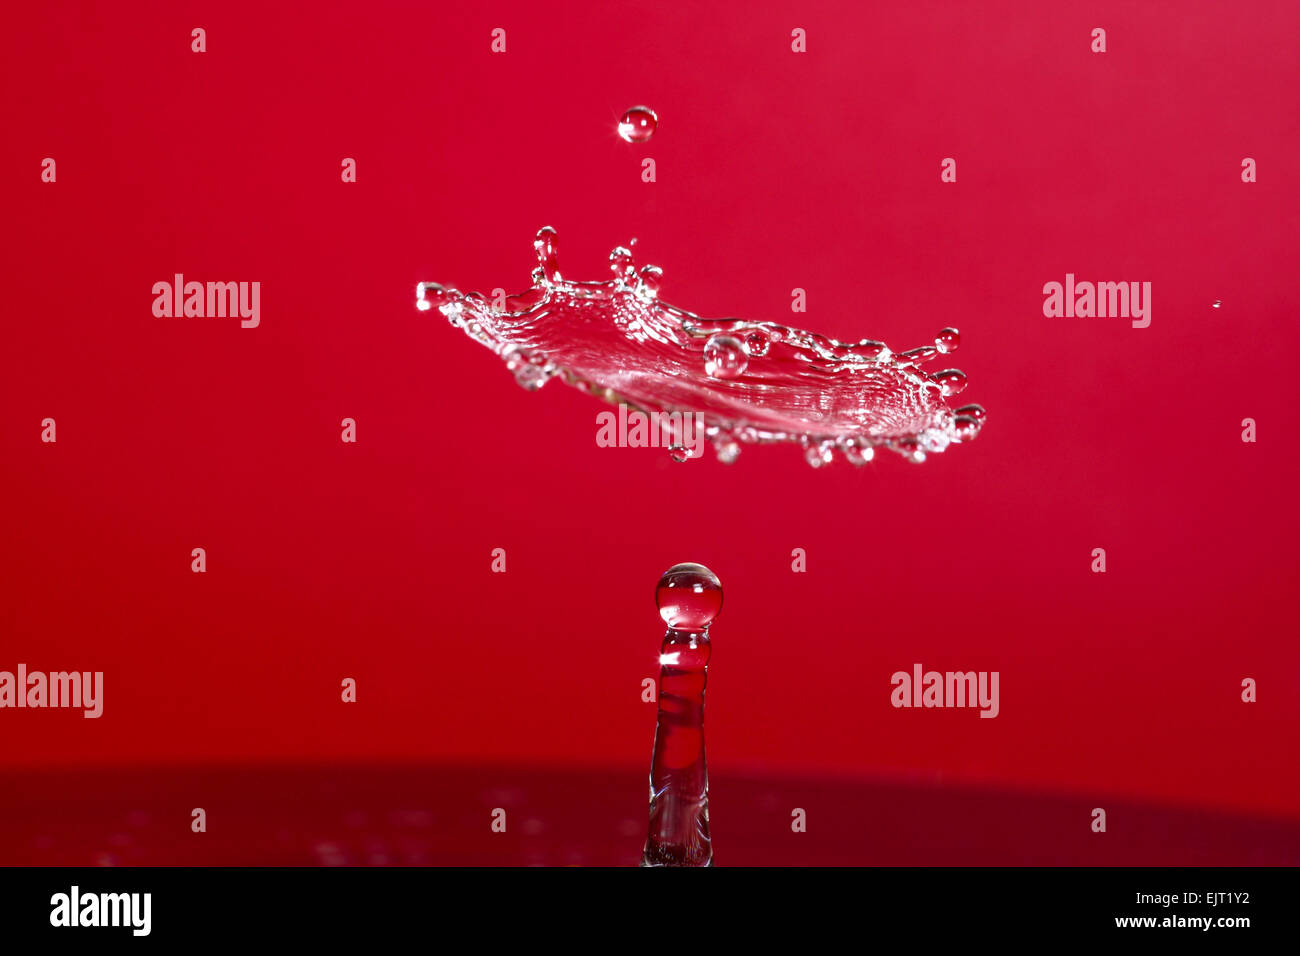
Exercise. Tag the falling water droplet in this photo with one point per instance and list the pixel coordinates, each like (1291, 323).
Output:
(950, 381)
(758, 343)
(947, 340)
(1217, 303)
(638, 124)
(679, 453)
(725, 356)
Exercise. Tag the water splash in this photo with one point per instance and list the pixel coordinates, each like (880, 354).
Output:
(751, 381)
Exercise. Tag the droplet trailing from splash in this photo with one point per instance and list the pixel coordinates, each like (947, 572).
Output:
(638, 124)
(620, 342)
(951, 381)
(726, 448)
(725, 356)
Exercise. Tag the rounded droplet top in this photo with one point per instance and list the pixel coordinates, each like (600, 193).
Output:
(725, 356)
(638, 124)
(947, 340)
(689, 597)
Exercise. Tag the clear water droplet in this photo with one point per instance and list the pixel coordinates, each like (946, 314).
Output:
(638, 124)
(965, 428)
(725, 356)
(428, 295)
(972, 411)
(758, 343)
(919, 355)
(820, 454)
(858, 452)
(547, 247)
(1217, 303)
(947, 340)
(651, 279)
(950, 381)
(727, 449)
(527, 373)
(679, 453)
(621, 262)
(689, 597)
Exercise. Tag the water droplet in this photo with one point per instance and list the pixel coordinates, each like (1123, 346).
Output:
(428, 295)
(950, 381)
(758, 343)
(725, 356)
(689, 597)
(965, 428)
(821, 454)
(547, 247)
(911, 449)
(528, 374)
(947, 340)
(727, 450)
(1217, 303)
(857, 452)
(621, 262)
(679, 453)
(638, 124)
(972, 411)
(919, 355)
(651, 278)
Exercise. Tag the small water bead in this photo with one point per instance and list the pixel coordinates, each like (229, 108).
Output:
(950, 381)
(621, 262)
(727, 450)
(857, 453)
(638, 124)
(947, 340)
(689, 597)
(725, 356)
(758, 343)
(820, 454)
(429, 294)
(1217, 303)
(679, 453)
(972, 411)
(965, 428)
(651, 277)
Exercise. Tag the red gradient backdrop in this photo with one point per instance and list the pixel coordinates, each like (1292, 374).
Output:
(774, 170)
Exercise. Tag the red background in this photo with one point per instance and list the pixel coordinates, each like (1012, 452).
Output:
(774, 171)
